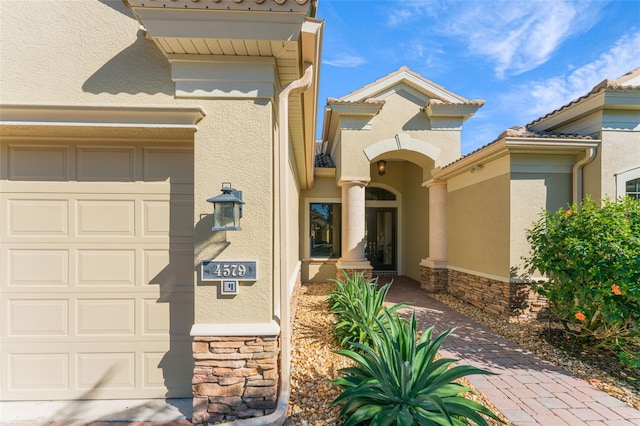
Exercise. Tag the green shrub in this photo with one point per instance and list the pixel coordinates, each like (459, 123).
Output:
(358, 304)
(591, 257)
(399, 382)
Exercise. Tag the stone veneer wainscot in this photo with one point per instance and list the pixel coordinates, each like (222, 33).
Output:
(510, 300)
(234, 377)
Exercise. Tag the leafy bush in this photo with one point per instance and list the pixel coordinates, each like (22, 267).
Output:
(399, 382)
(591, 257)
(358, 303)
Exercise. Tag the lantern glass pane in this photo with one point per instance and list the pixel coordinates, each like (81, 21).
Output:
(223, 215)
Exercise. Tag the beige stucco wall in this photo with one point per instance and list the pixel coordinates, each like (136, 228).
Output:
(401, 113)
(58, 51)
(530, 194)
(478, 225)
(232, 147)
(92, 52)
(489, 210)
(620, 152)
(415, 221)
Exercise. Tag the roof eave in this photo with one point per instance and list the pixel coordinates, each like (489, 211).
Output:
(442, 110)
(602, 98)
(513, 145)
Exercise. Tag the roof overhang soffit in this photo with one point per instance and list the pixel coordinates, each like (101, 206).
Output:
(198, 32)
(206, 24)
(514, 145)
(606, 99)
(437, 109)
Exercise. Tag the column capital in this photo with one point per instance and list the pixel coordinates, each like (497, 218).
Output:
(433, 182)
(354, 180)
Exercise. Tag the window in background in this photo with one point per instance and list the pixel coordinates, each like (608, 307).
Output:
(633, 189)
(325, 229)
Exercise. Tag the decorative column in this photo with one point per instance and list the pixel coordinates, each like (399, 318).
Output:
(434, 271)
(353, 259)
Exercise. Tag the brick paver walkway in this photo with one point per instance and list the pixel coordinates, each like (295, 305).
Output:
(527, 389)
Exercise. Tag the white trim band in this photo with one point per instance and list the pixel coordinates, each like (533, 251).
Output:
(245, 329)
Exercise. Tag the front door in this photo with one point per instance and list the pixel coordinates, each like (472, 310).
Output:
(381, 238)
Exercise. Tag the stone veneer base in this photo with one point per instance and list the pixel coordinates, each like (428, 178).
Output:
(510, 300)
(234, 377)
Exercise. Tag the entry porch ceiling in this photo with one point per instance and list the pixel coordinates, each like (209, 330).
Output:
(280, 29)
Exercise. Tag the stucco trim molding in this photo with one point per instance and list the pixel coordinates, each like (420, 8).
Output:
(402, 141)
(247, 329)
(113, 115)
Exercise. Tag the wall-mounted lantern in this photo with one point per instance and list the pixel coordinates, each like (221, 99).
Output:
(227, 209)
(382, 167)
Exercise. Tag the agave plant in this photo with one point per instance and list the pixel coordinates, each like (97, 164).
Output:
(359, 306)
(398, 381)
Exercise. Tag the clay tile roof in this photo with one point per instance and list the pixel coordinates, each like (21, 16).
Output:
(606, 84)
(402, 69)
(334, 101)
(223, 4)
(522, 132)
(434, 101)
(324, 161)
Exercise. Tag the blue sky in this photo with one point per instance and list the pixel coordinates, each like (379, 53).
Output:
(524, 58)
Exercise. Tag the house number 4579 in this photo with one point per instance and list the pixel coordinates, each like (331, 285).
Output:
(230, 270)
(213, 270)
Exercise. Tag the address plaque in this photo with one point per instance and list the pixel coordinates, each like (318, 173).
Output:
(229, 270)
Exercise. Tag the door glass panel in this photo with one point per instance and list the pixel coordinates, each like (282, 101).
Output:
(385, 238)
(381, 238)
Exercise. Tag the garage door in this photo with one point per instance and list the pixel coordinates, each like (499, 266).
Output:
(96, 270)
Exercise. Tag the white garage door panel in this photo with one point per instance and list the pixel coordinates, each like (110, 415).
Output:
(96, 270)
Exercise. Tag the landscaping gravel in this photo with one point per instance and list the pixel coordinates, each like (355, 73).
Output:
(313, 364)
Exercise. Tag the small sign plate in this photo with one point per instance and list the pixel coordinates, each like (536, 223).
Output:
(229, 270)
(229, 287)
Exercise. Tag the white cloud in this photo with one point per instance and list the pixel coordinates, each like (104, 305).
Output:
(345, 60)
(516, 36)
(549, 94)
